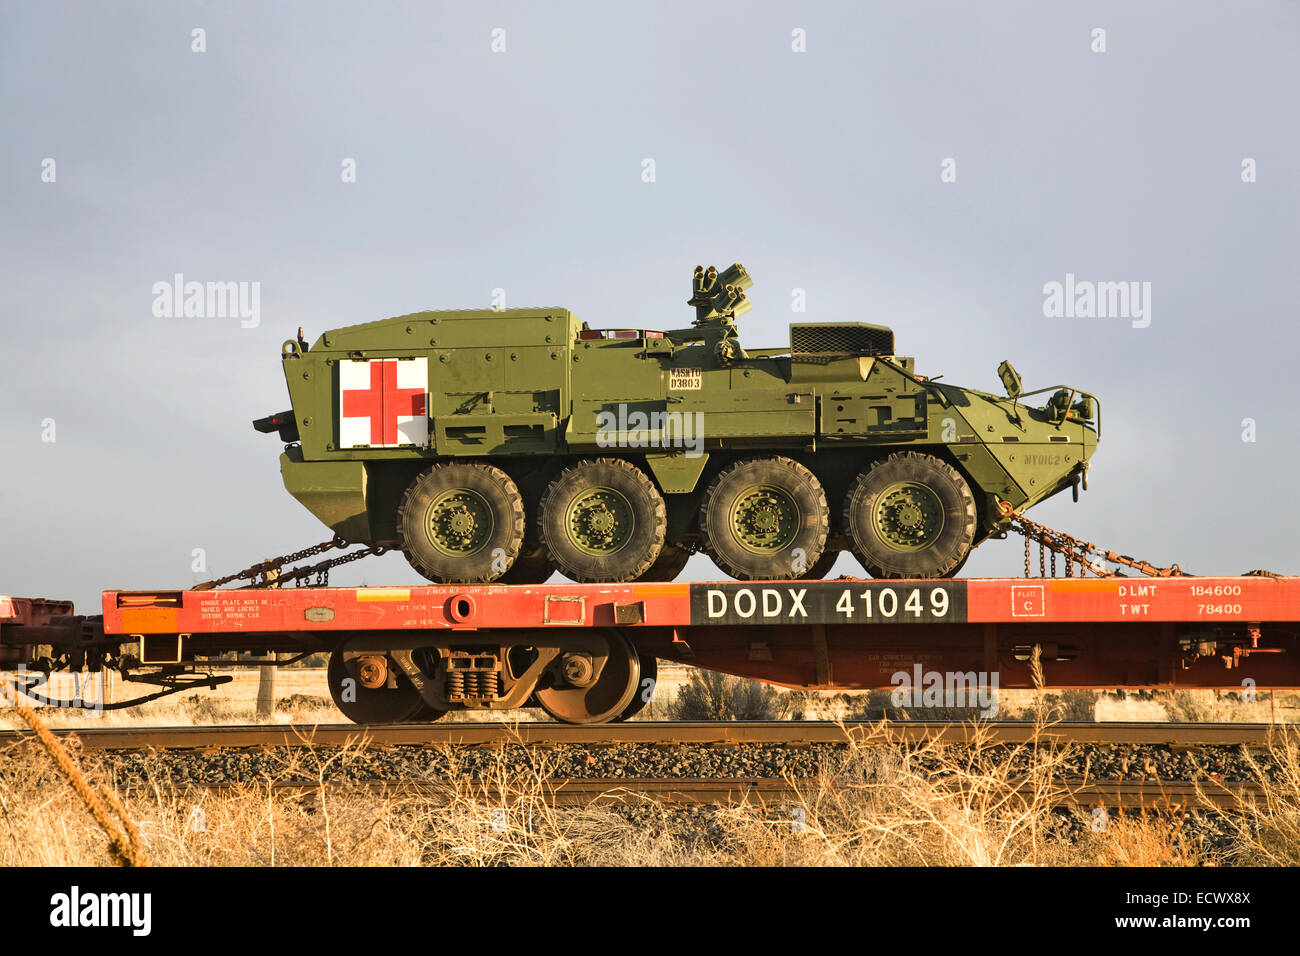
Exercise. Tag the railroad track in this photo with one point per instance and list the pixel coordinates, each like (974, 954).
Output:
(772, 793)
(766, 792)
(667, 733)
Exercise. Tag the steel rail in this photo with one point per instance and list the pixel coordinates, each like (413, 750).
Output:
(667, 733)
(766, 792)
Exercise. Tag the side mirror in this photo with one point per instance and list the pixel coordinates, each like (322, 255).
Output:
(1010, 379)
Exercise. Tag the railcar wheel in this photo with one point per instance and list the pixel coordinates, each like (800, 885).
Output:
(369, 689)
(910, 515)
(602, 520)
(592, 688)
(461, 523)
(425, 715)
(645, 691)
(668, 565)
(759, 514)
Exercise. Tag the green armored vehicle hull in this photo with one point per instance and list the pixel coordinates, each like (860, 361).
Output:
(505, 445)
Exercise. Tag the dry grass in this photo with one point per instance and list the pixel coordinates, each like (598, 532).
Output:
(1266, 830)
(712, 695)
(503, 817)
(927, 804)
(924, 804)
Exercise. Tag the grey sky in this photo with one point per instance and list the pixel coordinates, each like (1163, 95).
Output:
(522, 170)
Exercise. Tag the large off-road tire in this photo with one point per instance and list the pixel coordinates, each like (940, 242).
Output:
(822, 566)
(910, 515)
(602, 520)
(531, 567)
(461, 523)
(668, 565)
(758, 513)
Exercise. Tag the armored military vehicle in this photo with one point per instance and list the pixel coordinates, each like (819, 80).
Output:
(505, 445)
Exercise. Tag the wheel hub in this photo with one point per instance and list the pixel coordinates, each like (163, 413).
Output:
(460, 522)
(577, 669)
(600, 521)
(909, 516)
(372, 672)
(765, 519)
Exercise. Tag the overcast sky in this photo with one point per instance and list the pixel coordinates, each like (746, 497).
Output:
(524, 170)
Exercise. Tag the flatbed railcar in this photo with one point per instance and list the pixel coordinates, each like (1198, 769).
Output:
(586, 653)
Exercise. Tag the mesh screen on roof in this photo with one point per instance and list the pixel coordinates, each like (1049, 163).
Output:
(851, 339)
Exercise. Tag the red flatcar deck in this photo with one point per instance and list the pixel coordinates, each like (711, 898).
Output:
(1178, 631)
(846, 601)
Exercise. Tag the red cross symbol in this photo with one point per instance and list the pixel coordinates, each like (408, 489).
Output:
(383, 402)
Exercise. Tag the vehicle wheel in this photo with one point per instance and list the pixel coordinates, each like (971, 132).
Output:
(668, 565)
(757, 512)
(461, 523)
(531, 567)
(910, 516)
(425, 715)
(602, 520)
(644, 692)
(359, 686)
(590, 688)
(822, 566)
